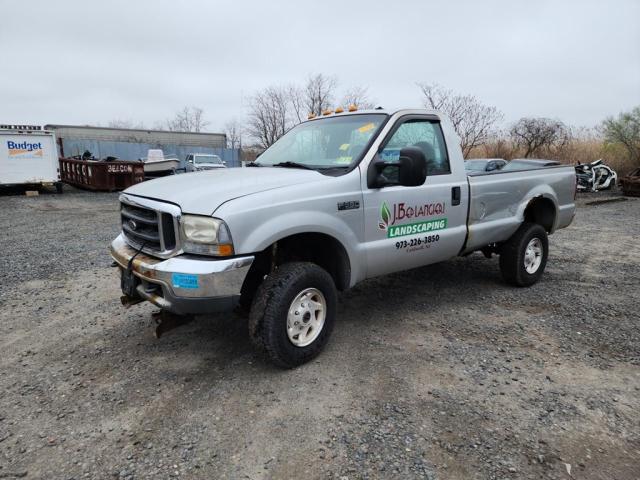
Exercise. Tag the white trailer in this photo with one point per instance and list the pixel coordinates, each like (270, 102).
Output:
(28, 156)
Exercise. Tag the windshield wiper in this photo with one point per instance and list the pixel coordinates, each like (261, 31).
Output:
(293, 165)
(253, 164)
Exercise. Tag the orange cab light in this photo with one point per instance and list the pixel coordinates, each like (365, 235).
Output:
(311, 116)
(327, 112)
(339, 110)
(352, 108)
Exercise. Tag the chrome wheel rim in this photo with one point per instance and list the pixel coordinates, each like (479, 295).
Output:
(306, 317)
(533, 256)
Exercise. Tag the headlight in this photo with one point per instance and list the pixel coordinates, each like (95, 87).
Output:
(205, 236)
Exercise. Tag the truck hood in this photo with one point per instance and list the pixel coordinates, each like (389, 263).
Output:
(201, 193)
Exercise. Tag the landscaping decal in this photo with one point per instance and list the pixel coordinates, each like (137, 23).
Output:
(402, 212)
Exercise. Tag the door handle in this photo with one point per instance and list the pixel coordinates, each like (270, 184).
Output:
(455, 195)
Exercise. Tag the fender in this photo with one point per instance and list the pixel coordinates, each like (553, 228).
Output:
(539, 191)
(305, 221)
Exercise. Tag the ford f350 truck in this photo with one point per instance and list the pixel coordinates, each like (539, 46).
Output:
(338, 199)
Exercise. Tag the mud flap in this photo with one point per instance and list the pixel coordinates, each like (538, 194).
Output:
(129, 283)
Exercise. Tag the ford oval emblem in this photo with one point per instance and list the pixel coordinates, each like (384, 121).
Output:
(132, 224)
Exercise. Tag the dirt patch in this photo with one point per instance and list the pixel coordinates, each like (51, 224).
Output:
(442, 372)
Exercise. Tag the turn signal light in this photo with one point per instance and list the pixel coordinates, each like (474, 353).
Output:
(225, 250)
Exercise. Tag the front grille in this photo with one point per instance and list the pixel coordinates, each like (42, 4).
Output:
(148, 228)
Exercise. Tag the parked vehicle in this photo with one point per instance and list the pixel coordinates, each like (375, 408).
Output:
(595, 176)
(630, 184)
(28, 156)
(479, 165)
(197, 162)
(529, 163)
(336, 200)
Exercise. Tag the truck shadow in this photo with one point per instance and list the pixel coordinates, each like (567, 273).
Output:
(435, 288)
(214, 345)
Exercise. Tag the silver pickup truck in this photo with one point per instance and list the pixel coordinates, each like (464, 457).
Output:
(338, 199)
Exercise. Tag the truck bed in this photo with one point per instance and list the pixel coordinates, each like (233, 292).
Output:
(497, 201)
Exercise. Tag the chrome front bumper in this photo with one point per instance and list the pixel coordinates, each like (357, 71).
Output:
(185, 284)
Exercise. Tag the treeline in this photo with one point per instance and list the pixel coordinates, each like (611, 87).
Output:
(616, 140)
(273, 110)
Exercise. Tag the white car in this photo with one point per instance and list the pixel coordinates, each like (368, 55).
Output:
(203, 161)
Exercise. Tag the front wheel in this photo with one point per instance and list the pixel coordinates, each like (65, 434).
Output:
(524, 256)
(293, 313)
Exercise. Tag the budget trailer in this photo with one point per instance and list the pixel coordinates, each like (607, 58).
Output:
(28, 156)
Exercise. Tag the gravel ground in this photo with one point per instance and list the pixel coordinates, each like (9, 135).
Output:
(442, 372)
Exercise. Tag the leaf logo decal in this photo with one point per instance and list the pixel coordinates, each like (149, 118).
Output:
(385, 214)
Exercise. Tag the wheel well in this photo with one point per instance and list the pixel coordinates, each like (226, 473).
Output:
(542, 211)
(319, 248)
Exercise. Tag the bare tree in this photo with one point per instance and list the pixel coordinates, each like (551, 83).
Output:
(533, 134)
(625, 130)
(358, 96)
(189, 119)
(234, 134)
(472, 120)
(269, 115)
(130, 124)
(319, 93)
(297, 102)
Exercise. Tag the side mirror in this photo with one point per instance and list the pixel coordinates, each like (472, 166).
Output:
(190, 161)
(409, 171)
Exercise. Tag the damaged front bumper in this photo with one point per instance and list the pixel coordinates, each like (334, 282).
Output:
(184, 284)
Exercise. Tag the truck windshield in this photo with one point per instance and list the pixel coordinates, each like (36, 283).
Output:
(207, 159)
(332, 142)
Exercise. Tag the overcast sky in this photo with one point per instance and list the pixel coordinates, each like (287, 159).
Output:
(94, 61)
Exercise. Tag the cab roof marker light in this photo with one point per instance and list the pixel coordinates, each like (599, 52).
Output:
(353, 108)
(339, 110)
(327, 112)
(311, 116)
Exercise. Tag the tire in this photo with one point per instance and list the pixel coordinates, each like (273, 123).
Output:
(513, 255)
(58, 187)
(272, 308)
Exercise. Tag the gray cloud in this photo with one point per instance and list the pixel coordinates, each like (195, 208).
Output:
(90, 62)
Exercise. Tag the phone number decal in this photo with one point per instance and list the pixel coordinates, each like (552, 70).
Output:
(417, 242)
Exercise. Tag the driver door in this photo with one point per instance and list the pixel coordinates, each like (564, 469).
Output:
(407, 227)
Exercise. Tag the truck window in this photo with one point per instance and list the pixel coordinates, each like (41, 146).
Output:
(427, 136)
(333, 142)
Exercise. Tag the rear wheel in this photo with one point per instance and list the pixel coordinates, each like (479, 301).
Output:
(524, 256)
(293, 313)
